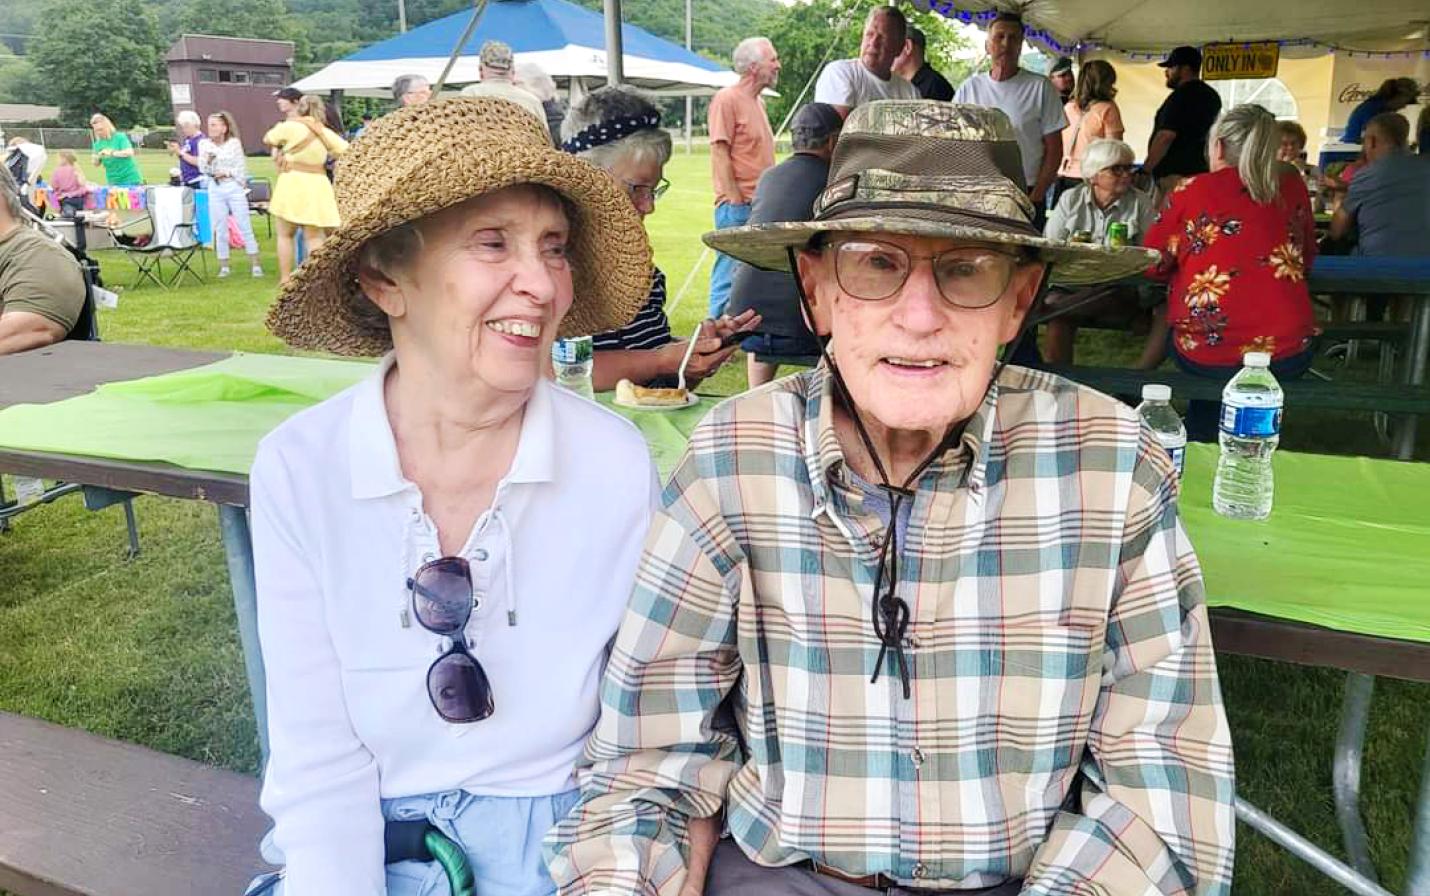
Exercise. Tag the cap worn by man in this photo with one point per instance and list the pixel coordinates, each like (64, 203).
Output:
(496, 59)
(496, 67)
(1177, 148)
(861, 592)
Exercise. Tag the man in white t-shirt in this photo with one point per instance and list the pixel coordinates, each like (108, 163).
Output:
(1030, 101)
(846, 83)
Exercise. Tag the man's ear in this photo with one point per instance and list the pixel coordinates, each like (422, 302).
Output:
(383, 290)
(1026, 281)
(810, 273)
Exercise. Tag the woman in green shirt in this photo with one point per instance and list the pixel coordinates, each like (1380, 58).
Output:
(113, 150)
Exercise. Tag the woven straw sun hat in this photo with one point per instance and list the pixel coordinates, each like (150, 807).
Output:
(926, 168)
(421, 159)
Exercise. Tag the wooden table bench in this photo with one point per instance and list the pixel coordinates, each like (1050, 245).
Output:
(83, 814)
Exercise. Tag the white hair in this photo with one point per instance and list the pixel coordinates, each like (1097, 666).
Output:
(749, 53)
(535, 80)
(1102, 154)
(188, 116)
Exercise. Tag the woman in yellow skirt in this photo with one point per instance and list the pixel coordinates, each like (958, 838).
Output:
(303, 196)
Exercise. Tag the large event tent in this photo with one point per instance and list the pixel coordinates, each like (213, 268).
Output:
(567, 40)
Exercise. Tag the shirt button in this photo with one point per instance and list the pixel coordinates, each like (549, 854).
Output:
(917, 755)
(480, 554)
(921, 871)
(911, 642)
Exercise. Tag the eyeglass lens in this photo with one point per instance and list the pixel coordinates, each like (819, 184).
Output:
(968, 277)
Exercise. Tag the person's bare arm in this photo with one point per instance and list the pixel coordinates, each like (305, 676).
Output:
(1157, 149)
(704, 834)
(637, 365)
(1052, 159)
(21, 331)
(723, 168)
(1342, 223)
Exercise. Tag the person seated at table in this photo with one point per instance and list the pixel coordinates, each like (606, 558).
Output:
(618, 129)
(1387, 208)
(1236, 244)
(1028, 703)
(69, 183)
(1292, 149)
(42, 289)
(443, 552)
(1105, 196)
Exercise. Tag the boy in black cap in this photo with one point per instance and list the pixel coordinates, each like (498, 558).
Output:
(1178, 148)
(785, 192)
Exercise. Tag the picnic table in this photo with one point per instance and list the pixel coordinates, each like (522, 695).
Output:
(1291, 588)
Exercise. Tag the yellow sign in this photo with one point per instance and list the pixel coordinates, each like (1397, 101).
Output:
(1222, 62)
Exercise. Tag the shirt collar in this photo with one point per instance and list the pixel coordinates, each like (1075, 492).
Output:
(372, 448)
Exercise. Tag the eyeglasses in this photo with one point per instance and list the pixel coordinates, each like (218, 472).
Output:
(967, 277)
(1121, 170)
(443, 601)
(645, 192)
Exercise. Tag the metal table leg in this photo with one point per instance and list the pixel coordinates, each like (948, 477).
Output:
(1415, 363)
(238, 549)
(1307, 851)
(1345, 775)
(1417, 879)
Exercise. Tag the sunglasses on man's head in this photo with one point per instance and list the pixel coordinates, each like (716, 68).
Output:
(443, 601)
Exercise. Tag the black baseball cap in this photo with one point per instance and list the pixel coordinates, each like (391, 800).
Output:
(1064, 64)
(816, 121)
(291, 94)
(1183, 56)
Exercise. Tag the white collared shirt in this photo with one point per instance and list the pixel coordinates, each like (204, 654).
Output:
(337, 529)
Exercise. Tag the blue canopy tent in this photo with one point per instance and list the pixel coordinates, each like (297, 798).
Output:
(566, 40)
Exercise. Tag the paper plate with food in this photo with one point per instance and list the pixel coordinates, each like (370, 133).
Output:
(629, 395)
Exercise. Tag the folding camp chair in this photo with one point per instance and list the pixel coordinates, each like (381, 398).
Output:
(260, 193)
(166, 230)
(86, 327)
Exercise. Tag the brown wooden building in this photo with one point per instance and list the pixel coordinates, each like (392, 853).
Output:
(238, 74)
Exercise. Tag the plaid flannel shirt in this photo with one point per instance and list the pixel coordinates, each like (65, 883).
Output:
(1066, 723)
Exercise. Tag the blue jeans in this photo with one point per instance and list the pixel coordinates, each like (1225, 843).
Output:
(1203, 417)
(501, 836)
(722, 274)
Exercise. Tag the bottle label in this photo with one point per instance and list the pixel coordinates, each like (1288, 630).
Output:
(1250, 422)
(576, 350)
(1179, 459)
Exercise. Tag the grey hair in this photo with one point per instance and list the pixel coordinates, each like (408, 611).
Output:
(617, 101)
(188, 116)
(535, 80)
(749, 53)
(1249, 140)
(10, 194)
(404, 84)
(1104, 153)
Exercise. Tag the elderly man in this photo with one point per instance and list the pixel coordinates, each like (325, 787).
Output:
(915, 620)
(742, 147)
(913, 65)
(41, 288)
(411, 90)
(1388, 204)
(847, 83)
(1177, 148)
(785, 193)
(1029, 100)
(497, 69)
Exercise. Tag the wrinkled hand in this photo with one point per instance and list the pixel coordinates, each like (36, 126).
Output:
(704, 833)
(709, 353)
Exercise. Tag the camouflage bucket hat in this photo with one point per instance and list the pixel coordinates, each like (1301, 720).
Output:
(925, 168)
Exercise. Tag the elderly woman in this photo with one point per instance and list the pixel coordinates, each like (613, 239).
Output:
(113, 150)
(1106, 196)
(302, 196)
(443, 551)
(1236, 244)
(911, 618)
(617, 129)
(186, 148)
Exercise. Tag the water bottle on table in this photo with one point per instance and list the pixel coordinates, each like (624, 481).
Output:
(1156, 408)
(1250, 431)
(572, 360)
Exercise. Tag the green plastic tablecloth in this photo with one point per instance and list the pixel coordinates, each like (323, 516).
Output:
(1347, 545)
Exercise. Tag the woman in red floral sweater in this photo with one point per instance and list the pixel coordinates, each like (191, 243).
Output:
(1236, 244)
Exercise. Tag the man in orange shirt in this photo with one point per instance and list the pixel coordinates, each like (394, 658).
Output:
(742, 146)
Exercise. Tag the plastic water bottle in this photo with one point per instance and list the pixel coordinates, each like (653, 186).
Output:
(572, 360)
(1157, 410)
(1250, 431)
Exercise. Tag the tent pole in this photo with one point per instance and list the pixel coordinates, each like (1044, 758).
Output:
(615, 68)
(477, 11)
(689, 103)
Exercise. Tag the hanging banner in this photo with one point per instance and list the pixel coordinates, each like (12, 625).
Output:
(1223, 62)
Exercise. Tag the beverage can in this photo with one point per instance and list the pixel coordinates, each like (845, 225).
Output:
(1117, 235)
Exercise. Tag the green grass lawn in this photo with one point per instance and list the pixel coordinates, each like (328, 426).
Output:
(147, 650)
